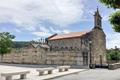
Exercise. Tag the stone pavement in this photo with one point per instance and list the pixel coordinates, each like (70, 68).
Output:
(33, 74)
(93, 74)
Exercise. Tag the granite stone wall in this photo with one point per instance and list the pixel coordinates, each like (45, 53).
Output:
(73, 44)
(64, 58)
(30, 56)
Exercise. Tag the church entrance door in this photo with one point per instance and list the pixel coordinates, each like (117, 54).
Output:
(85, 59)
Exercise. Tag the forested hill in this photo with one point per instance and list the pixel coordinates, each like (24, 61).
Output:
(20, 44)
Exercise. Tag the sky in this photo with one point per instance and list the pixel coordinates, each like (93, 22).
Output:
(34, 19)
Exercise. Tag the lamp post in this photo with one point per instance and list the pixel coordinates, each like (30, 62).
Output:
(90, 65)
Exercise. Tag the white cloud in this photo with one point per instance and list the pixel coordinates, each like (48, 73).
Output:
(17, 30)
(44, 29)
(41, 34)
(105, 18)
(28, 14)
(66, 31)
(113, 40)
(55, 30)
(59, 31)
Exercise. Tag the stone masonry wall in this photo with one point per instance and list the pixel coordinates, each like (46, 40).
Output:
(26, 56)
(65, 44)
(64, 58)
(29, 56)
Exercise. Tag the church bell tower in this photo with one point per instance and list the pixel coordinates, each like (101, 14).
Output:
(97, 20)
(98, 39)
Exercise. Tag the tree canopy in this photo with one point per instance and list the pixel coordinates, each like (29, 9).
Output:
(113, 55)
(20, 44)
(111, 3)
(5, 42)
(115, 20)
(115, 17)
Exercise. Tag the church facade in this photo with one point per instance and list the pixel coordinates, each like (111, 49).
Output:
(77, 48)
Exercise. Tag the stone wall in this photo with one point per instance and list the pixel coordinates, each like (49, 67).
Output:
(30, 56)
(64, 58)
(65, 44)
(114, 66)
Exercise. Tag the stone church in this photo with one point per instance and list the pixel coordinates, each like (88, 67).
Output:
(77, 48)
(91, 45)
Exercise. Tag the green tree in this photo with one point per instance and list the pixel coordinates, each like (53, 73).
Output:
(5, 43)
(113, 55)
(115, 17)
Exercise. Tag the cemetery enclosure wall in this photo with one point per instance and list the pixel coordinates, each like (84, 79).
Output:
(45, 57)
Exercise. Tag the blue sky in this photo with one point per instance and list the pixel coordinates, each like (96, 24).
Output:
(34, 19)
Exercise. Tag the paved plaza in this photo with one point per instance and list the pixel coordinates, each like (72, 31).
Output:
(95, 74)
(72, 74)
(33, 74)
